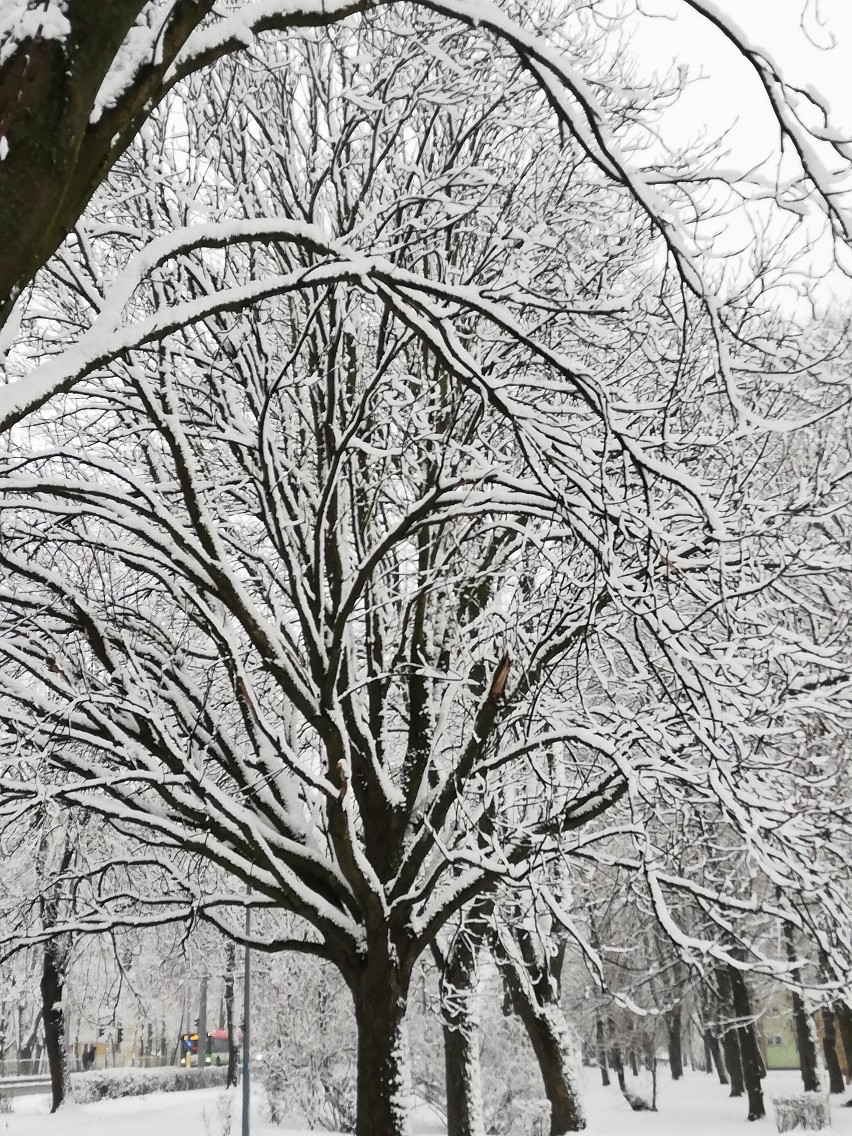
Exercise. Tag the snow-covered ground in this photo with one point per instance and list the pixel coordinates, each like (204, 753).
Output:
(696, 1106)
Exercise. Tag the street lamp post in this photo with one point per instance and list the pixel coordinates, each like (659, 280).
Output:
(202, 1024)
(246, 1026)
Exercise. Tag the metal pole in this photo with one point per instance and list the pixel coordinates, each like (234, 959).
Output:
(202, 1024)
(246, 1026)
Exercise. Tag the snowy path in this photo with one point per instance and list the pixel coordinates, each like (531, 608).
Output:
(697, 1106)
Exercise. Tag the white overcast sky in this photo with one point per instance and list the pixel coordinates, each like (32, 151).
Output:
(811, 42)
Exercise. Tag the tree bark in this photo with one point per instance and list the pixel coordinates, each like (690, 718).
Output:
(803, 1024)
(55, 159)
(717, 1061)
(733, 1061)
(543, 1021)
(54, 962)
(752, 1062)
(844, 1025)
(651, 1065)
(461, 1037)
(806, 1045)
(730, 1035)
(711, 1038)
(836, 1083)
(675, 1043)
(380, 995)
(52, 988)
(463, 1080)
(615, 1058)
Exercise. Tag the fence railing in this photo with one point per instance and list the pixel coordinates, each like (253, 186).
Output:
(34, 1066)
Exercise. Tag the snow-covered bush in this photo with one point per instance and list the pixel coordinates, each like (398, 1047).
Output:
(110, 1084)
(218, 1123)
(809, 1112)
(308, 1067)
(511, 1083)
(317, 1085)
(533, 1117)
(638, 1102)
(275, 1082)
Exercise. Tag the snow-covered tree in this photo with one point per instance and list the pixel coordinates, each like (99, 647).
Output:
(364, 549)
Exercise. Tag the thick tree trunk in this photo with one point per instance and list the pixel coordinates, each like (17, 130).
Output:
(600, 1042)
(464, 1085)
(384, 1088)
(461, 1038)
(836, 1084)
(542, 1019)
(675, 1043)
(752, 1062)
(52, 987)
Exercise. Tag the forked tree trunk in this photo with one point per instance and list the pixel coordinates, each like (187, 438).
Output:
(544, 1023)
(836, 1083)
(461, 1038)
(380, 995)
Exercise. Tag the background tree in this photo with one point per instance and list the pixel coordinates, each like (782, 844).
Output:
(76, 88)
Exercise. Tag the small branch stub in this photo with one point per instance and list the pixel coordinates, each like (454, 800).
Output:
(343, 772)
(499, 682)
